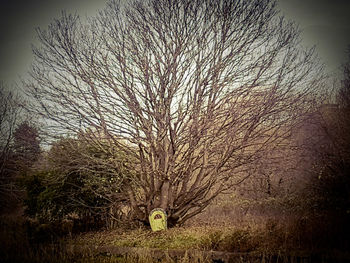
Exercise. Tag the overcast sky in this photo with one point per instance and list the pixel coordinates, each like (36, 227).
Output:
(325, 23)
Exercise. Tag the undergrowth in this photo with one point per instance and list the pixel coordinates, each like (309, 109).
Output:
(271, 242)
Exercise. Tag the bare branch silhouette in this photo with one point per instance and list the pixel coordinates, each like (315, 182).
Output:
(197, 90)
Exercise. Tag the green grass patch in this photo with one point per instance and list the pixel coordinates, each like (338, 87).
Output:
(201, 238)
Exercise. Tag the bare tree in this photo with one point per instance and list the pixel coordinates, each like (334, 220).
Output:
(197, 90)
(9, 117)
(324, 197)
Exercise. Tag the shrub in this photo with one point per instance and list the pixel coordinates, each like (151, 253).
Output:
(79, 182)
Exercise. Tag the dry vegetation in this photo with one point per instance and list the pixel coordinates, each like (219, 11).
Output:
(271, 241)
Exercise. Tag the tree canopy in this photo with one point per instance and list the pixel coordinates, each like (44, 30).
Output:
(195, 90)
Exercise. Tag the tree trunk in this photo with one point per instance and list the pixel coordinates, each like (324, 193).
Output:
(164, 195)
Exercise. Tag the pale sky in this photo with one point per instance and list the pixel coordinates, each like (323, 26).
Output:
(325, 23)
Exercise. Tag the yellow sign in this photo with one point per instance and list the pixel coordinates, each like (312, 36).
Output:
(158, 219)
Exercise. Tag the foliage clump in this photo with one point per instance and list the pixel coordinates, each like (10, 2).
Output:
(80, 182)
